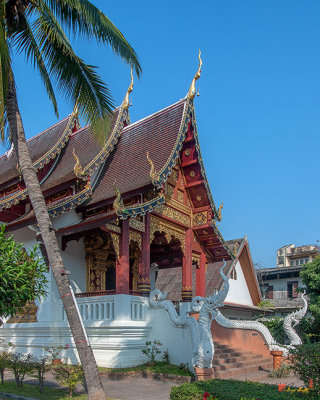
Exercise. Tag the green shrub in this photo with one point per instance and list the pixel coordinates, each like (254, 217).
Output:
(40, 367)
(275, 326)
(232, 390)
(69, 377)
(305, 360)
(152, 350)
(281, 372)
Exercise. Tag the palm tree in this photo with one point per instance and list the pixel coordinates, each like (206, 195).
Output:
(34, 28)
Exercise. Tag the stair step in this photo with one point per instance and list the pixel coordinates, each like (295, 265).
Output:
(242, 365)
(237, 371)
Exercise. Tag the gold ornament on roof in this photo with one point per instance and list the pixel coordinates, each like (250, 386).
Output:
(118, 202)
(78, 170)
(154, 176)
(219, 213)
(192, 90)
(126, 102)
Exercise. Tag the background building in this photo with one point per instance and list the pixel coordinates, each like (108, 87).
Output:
(279, 284)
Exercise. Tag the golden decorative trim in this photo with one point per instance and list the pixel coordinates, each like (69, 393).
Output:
(200, 218)
(192, 89)
(137, 225)
(180, 196)
(199, 197)
(192, 174)
(219, 213)
(196, 258)
(159, 225)
(78, 170)
(118, 202)
(126, 102)
(179, 206)
(28, 313)
(174, 214)
(136, 237)
(187, 152)
(113, 228)
(154, 176)
(116, 243)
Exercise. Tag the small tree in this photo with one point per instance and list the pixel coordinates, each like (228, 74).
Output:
(21, 275)
(40, 367)
(69, 377)
(21, 364)
(152, 350)
(310, 275)
(4, 362)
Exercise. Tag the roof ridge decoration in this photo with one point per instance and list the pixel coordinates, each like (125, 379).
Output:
(192, 90)
(123, 116)
(74, 201)
(154, 176)
(56, 149)
(15, 198)
(118, 205)
(78, 170)
(126, 102)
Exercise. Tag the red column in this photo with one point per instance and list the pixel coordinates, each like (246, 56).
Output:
(187, 267)
(144, 267)
(201, 276)
(122, 273)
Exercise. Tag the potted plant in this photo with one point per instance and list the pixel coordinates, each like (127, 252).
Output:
(55, 351)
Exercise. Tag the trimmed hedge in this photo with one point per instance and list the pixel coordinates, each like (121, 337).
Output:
(233, 390)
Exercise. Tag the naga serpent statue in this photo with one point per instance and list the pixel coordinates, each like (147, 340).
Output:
(158, 300)
(293, 319)
(202, 343)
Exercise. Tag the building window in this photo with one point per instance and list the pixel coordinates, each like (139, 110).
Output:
(292, 263)
(281, 260)
(270, 292)
(306, 260)
(292, 290)
(233, 274)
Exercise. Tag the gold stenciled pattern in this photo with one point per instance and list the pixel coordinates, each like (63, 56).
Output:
(180, 196)
(174, 214)
(135, 224)
(200, 218)
(158, 225)
(135, 237)
(115, 241)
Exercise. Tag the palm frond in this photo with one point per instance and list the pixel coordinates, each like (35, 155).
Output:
(76, 80)
(83, 17)
(24, 40)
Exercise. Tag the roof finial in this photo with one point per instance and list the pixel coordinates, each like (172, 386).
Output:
(219, 213)
(192, 90)
(126, 103)
(154, 176)
(78, 170)
(118, 202)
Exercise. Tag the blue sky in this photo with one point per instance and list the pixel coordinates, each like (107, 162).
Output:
(258, 111)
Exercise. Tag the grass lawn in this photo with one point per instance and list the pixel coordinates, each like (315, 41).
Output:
(33, 391)
(160, 367)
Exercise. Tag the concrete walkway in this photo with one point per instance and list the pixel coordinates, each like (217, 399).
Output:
(134, 388)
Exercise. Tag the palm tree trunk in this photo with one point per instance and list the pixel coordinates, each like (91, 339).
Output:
(88, 362)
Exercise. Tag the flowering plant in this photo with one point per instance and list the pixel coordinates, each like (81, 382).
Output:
(54, 351)
(208, 396)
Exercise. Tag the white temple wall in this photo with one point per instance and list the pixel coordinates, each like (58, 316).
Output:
(239, 292)
(75, 262)
(175, 339)
(117, 327)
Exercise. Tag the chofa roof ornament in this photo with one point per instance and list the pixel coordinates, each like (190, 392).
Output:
(125, 104)
(154, 176)
(192, 89)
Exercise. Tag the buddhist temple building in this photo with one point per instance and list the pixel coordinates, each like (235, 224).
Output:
(128, 214)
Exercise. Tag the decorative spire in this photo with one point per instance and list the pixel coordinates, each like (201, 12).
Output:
(78, 170)
(118, 202)
(219, 213)
(192, 90)
(126, 103)
(154, 176)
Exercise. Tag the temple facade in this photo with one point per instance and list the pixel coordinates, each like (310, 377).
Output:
(124, 212)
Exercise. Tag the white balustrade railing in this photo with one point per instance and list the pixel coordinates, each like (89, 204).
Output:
(98, 308)
(138, 308)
